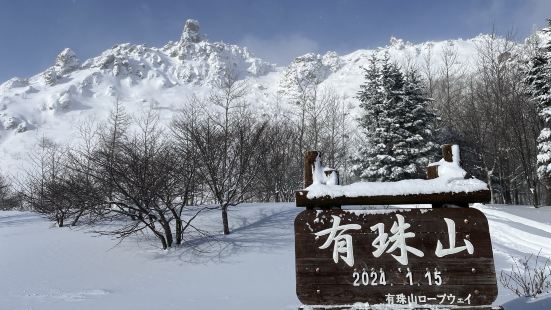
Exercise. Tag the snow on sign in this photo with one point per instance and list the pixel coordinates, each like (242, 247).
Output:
(394, 256)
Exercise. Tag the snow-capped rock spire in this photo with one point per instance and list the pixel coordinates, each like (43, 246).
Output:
(191, 31)
(66, 61)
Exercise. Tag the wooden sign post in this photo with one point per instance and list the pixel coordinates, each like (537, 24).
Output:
(394, 257)
(417, 258)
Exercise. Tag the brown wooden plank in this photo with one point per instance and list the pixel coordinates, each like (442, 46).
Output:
(432, 172)
(439, 198)
(321, 281)
(447, 152)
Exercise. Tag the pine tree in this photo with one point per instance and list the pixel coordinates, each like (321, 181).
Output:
(372, 103)
(420, 123)
(539, 86)
(396, 123)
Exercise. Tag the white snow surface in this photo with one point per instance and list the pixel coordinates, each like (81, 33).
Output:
(451, 170)
(49, 268)
(450, 180)
(404, 187)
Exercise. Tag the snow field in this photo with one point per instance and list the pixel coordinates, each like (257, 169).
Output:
(44, 267)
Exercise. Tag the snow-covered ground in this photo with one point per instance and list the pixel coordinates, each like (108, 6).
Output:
(44, 267)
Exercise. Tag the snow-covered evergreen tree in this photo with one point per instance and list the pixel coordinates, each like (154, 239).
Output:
(420, 123)
(372, 104)
(539, 82)
(396, 123)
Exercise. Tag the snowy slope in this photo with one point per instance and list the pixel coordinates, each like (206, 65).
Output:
(55, 102)
(44, 267)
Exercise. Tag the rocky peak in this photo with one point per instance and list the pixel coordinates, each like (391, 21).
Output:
(191, 32)
(66, 61)
(13, 83)
(397, 43)
(308, 68)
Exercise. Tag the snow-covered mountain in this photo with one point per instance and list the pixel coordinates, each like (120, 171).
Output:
(70, 85)
(53, 103)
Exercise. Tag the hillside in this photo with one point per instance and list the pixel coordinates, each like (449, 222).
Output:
(54, 103)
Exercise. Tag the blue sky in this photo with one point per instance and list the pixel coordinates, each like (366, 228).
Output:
(32, 32)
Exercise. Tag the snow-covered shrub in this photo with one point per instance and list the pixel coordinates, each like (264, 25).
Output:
(530, 276)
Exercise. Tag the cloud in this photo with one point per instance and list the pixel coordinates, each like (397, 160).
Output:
(281, 49)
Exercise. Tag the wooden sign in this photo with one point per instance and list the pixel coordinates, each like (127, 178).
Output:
(394, 256)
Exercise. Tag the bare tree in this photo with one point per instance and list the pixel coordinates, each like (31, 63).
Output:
(308, 108)
(322, 118)
(228, 143)
(280, 173)
(428, 69)
(137, 180)
(449, 87)
(336, 122)
(496, 121)
(9, 199)
(46, 189)
(227, 157)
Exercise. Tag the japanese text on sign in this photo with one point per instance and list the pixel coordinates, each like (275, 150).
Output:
(385, 243)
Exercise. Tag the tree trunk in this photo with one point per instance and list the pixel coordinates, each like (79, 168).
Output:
(160, 236)
(179, 231)
(535, 197)
(546, 195)
(516, 198)
(77, 217)
(60, 219)
(490, 185)
(168, 234)
(225, 220)
(163, 241)
(506, 189)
